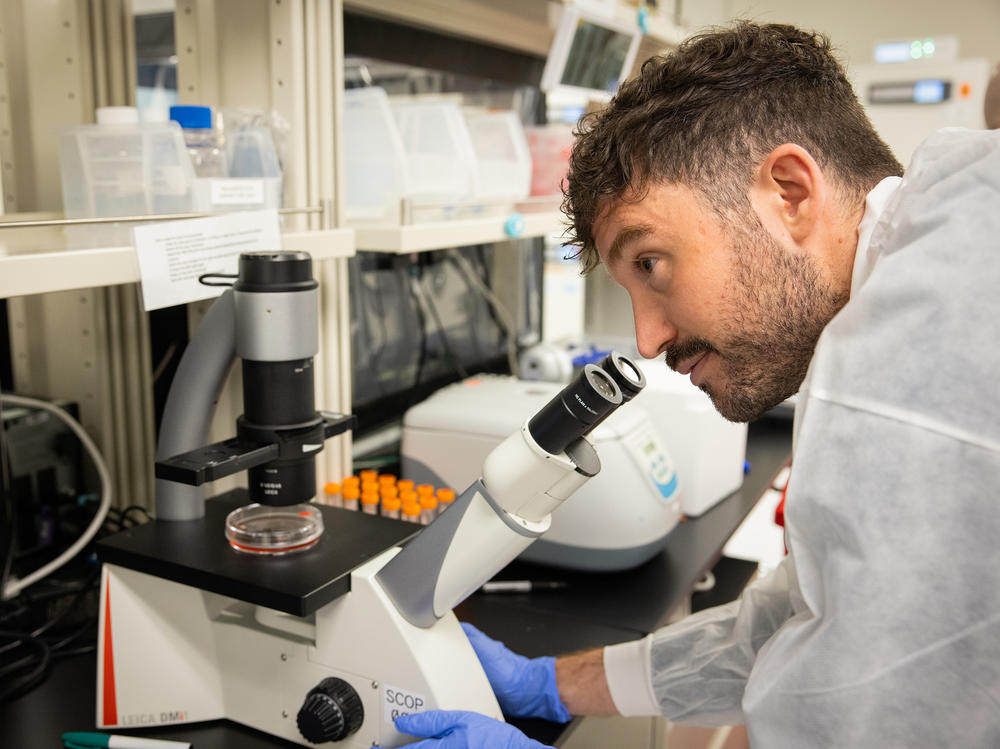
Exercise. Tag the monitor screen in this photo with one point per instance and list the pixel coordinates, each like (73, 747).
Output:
(596, 57)
(590, 54)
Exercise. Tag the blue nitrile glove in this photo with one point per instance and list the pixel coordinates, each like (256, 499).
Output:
(461, 729)
(524, 687)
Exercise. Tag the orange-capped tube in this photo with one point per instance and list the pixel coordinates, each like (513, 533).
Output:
(369, 503)
(390, 507)
(388, 492)
(411, 512)
(408, 495)
(351, 481)
(404, 485)
(445, 498)
(386, 478)
(428, 509)
(368, 475)
(331, 494)
(424, 490)
(351, 495)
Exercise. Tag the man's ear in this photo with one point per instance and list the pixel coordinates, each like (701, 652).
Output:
(789, 192)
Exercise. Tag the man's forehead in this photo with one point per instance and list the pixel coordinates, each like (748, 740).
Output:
(613, 216)
(664, 208)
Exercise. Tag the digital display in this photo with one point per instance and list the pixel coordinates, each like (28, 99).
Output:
(930, 92)
(892, 52)
(925, 91)
(596, 57)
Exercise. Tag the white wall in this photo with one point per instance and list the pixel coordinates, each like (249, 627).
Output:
(855, 25)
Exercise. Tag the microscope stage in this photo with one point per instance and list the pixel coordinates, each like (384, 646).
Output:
(196, 553)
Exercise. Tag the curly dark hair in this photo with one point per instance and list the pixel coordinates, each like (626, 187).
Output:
(707, 115)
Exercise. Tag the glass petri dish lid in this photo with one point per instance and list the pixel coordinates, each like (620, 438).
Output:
(264, 529)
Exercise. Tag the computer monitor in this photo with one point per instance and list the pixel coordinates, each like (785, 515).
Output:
(590, 54)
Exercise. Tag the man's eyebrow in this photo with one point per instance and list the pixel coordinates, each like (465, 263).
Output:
(626, 236)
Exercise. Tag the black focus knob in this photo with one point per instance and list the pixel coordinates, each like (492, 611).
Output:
(331, 711)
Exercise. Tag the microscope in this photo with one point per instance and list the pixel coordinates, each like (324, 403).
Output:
(312, 623)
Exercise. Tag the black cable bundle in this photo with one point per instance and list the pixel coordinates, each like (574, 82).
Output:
(56, 617)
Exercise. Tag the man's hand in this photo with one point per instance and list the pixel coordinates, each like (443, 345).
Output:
(460, 729)
(524, 687)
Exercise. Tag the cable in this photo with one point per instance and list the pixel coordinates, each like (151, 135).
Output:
(164, 361)
(503, 316)
(428, 301)
(136, 508)
(422, 321)
(14, 586)
(8, 523)
(14, 686)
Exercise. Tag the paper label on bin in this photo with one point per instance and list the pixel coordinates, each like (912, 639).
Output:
(173, 254)
(237, 191)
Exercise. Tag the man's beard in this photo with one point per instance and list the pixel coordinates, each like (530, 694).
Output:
(781, 306)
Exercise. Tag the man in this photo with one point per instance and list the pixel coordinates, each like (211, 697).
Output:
(739, 194)
(991, 102)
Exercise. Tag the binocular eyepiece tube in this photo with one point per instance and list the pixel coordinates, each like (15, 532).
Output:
(585, 402)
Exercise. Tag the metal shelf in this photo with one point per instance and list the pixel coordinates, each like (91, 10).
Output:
(438, 235)
(38, 260)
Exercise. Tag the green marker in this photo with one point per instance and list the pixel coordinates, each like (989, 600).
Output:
(83, 740)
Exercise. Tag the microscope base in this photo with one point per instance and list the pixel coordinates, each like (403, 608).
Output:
(170, 653)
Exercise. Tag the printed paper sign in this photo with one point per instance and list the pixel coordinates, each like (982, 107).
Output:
(173, 254)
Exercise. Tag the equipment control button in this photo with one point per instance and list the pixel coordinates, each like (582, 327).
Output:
(331, 711)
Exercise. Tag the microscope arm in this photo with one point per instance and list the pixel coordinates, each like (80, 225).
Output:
(194, 393)
(493, 521)
(524, 479)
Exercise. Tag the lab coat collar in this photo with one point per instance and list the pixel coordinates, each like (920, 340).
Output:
(875, 204)
(865, 256)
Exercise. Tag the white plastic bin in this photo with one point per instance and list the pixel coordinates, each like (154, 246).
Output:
(125, 170)
(374, 160)
(502, 155)
(440, 160)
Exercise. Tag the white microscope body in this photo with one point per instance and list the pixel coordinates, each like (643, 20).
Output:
(173, 653)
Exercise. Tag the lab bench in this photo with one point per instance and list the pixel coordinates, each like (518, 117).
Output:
(594, 609)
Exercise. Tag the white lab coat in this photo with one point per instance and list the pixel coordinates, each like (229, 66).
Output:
(882, 626)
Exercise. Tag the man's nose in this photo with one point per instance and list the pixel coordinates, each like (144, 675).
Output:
(653, 331)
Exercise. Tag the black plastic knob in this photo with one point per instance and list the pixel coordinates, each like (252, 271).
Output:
(332, 711)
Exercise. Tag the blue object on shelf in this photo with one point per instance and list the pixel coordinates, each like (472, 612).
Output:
(644, 19)
(593, 356)
(514, 225)
(191, 116)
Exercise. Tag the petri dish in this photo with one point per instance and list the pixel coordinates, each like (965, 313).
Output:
(263, 529)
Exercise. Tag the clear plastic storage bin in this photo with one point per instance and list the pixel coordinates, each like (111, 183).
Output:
(125, 170)
(502, 154)
(374, 160)
(254, 180)
(550, 147)
(440, 162)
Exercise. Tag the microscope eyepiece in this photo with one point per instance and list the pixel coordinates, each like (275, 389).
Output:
(578, 407)
(275, 271)
(625, 373)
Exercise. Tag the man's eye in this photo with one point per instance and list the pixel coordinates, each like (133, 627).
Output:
(646, 264)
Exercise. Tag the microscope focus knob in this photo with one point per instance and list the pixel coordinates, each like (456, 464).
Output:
(332, 711)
